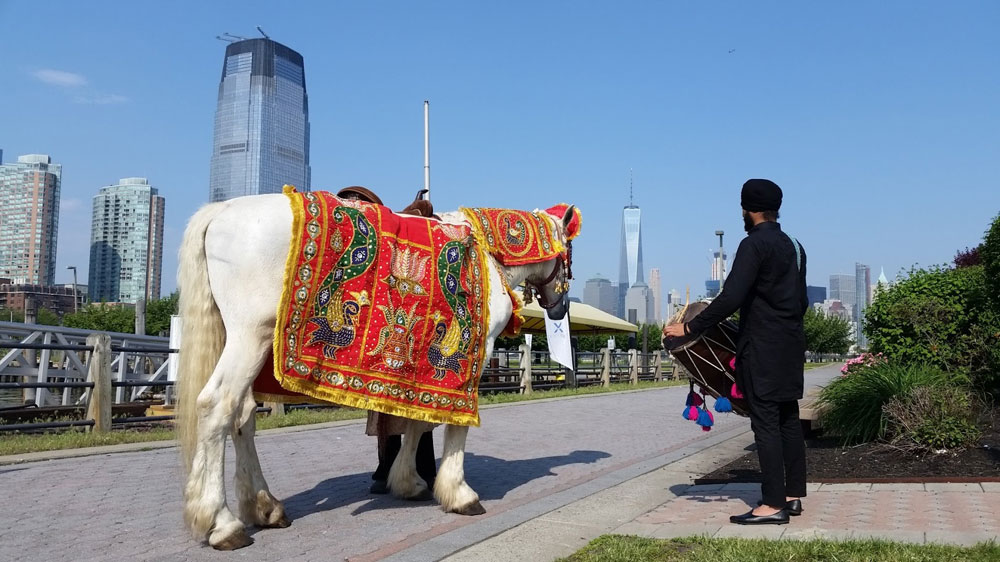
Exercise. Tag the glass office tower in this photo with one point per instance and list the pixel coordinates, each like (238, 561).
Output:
(261, 122)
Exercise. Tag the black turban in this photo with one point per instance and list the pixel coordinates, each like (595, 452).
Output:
(760, 195)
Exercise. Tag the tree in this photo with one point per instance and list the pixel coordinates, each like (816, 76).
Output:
(8, 315)
(46, 317)
(102, 317)
(158, 314)
(826, 334)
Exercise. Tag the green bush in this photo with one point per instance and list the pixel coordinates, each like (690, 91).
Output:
(852, 405)
(989, 254)
(936, 316)
(934, 418)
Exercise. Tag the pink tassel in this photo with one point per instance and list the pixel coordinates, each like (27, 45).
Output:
(735, 392)
(706, 428)
(732, 363)
(692, 413)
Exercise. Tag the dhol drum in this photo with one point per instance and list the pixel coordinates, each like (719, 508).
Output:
(709, 357)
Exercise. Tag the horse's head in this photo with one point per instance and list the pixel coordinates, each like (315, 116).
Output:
(548, 281)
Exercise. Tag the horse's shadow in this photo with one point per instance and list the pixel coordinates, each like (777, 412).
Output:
(491, 477)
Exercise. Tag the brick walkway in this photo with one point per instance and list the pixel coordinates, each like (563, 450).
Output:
(945, 513)
(525, 460)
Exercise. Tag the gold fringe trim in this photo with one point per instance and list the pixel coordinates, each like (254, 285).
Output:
(297, 205)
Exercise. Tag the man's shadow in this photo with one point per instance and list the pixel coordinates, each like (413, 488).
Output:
(491, 477)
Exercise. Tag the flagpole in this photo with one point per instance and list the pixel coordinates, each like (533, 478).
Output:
(427, 150)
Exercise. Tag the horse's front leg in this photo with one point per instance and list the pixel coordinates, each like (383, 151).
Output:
(403, 478)
(450, 488)
(257, 505)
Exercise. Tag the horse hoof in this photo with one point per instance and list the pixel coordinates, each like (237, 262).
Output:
(423, 496)
(474, 508)
(281, 523)
(235, 541)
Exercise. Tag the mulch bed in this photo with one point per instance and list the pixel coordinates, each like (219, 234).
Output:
(828, 461)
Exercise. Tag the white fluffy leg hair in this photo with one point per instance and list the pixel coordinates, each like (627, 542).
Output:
(450, 488)
(257, 505)
(404, 482)
(206, 512)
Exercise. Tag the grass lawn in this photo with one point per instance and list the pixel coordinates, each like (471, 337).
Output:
(618, 548)
(810, 366)
(17, 443)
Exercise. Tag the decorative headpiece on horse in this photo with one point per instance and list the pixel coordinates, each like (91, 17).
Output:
(525, 237)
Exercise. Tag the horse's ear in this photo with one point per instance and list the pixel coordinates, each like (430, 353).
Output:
(568, 217)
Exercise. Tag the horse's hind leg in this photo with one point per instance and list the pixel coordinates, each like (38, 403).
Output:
(224, 397)
(403, 478)
(257, 505)
(450, 488)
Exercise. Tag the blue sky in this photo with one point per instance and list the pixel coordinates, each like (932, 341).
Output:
(879, 120)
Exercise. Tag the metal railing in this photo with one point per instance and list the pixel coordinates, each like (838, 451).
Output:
(60, 370)
(44, 354)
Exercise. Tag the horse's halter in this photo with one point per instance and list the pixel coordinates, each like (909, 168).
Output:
(563, 264)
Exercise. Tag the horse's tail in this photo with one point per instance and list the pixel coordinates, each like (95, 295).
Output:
(203, 335)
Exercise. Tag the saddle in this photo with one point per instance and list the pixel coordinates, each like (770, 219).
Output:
(420, 207)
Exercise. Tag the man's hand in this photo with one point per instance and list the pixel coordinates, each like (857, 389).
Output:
(673, 330)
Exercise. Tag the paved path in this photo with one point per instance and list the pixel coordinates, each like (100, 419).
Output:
(526, 460)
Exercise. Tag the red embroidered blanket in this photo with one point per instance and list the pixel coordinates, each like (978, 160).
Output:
(381, 311)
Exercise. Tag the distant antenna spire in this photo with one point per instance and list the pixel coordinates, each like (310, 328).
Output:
(630, 203)
(262, 32)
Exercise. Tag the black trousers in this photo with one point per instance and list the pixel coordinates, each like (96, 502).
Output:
(426, 465)
(781, 449)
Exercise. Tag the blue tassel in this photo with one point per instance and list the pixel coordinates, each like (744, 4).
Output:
(705, 419)
(722, 404)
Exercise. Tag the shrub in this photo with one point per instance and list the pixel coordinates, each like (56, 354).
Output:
(989, 254)
(853, 404)
(936, 316)
(931, 419)
(968, 257)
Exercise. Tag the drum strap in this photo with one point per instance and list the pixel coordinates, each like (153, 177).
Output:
(798, 251)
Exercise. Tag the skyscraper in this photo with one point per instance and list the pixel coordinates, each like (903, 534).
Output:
(29, 219)
(126, 242)
(601, 293)
(639, 304)
(656, 289)
(842, 288)
(815, 294)
(862, 292)
(261, 122)
(630, 271)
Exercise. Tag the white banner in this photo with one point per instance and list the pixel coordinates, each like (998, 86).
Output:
(557, 333)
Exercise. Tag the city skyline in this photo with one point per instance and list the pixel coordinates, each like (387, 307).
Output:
(497, 143)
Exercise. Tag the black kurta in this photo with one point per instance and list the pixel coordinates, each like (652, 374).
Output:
(767, 284)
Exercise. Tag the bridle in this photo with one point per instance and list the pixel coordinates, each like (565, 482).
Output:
(563, 263)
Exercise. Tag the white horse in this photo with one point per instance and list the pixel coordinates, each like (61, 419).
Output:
(232, 263)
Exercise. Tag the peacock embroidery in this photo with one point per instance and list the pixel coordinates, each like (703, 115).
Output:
(444, 352)
(336, 329)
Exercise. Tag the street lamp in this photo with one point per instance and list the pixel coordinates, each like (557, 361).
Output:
(76, 297)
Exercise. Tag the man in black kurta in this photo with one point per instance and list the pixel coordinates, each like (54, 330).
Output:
(767, 284)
